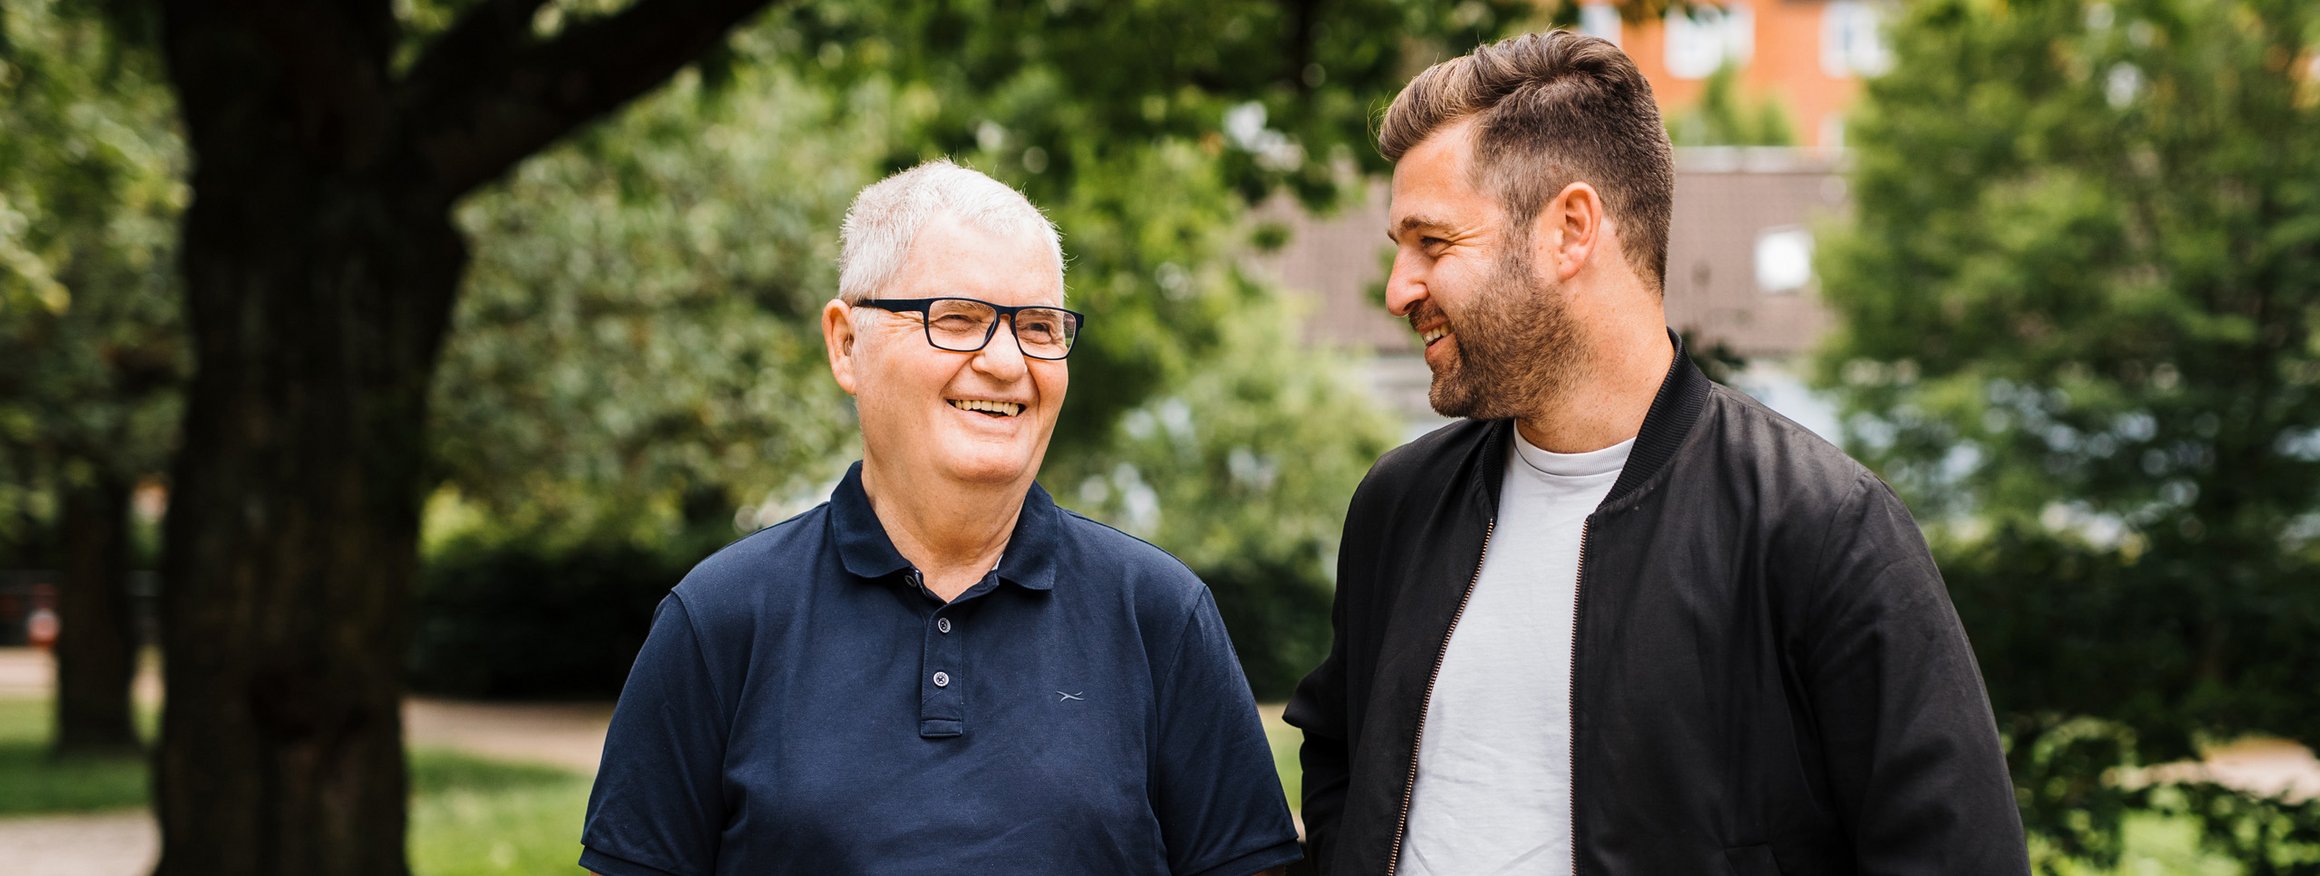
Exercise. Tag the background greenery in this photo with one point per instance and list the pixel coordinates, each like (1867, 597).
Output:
(2076, 306)
(2079, 335)
(469, 815)
(88, 301)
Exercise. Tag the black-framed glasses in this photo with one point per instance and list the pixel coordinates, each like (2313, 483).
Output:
(964, 325)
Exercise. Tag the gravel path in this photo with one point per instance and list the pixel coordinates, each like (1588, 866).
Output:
(104, 844)
(569, 735)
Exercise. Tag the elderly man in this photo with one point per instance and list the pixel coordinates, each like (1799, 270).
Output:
(939, 671)
(1620, 619)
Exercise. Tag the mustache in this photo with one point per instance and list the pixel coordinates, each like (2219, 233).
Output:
(1423, 313)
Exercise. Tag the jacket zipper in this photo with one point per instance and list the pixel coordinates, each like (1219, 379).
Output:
(1578, 585)
(1417, 739)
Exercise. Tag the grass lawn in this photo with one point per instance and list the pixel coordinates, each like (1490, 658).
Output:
(473, 816)
(469, 815)
(1285, 740)
(2162, 845)
(33, 782)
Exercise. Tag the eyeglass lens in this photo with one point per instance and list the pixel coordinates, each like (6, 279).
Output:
(964, 326)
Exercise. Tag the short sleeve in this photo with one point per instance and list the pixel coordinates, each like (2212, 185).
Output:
(657, 808)
(1216, 793)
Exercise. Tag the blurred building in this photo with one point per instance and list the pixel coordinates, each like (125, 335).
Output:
(1809, 56)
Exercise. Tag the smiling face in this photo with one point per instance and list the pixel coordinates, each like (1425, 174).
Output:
(981, 418)
(1498, 334)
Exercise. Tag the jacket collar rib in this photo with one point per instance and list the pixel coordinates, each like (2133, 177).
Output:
(1683, 393)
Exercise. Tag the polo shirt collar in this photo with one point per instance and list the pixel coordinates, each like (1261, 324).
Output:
(1029, 561)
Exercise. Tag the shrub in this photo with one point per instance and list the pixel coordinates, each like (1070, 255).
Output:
(529, 617)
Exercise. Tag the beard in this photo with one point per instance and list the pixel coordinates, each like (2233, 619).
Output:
(1517, 345)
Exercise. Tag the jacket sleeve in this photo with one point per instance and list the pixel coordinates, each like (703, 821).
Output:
(1906, 729)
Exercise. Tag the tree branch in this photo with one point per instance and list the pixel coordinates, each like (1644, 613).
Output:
(311, 74)
(485, 95)
(490, 29)
(1302, 14)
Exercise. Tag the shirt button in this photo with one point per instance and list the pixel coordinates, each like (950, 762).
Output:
(942, 625)
(942, 679)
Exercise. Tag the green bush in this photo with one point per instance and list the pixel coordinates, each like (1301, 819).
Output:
(1278, 616)
(531, 617)
(503, 616)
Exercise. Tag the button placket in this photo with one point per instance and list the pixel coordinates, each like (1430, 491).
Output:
(942, 697)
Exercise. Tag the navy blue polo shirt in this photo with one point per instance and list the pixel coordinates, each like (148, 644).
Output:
(804, 705)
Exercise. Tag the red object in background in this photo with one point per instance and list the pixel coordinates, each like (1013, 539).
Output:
(28, 611)
(40, 628)
(41, 625)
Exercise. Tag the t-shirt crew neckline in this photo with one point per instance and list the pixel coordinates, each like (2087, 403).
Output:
(1587, 465)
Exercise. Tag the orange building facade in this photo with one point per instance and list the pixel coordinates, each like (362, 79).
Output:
(1808, 55)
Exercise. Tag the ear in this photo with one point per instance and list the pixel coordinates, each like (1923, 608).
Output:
(1570, 229)
(838, 342)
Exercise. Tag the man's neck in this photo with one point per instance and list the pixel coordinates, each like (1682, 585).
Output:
(1606, 399)
(952, 533)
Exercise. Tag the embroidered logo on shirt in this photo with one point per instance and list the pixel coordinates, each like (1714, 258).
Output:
(1071, 696)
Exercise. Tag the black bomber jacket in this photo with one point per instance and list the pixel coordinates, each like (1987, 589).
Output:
(1769, 677)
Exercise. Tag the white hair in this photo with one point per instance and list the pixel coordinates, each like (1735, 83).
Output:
(875, 239)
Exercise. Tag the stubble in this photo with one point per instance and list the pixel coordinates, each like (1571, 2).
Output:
(1517, 346)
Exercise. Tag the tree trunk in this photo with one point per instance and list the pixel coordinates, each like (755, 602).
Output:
(320, 267)
(96, 644)
(319, 306)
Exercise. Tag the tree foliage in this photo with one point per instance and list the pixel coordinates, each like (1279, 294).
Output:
(639, 339)
(89, 191)
(1723, 116)
(90, 187)
(2079, 310)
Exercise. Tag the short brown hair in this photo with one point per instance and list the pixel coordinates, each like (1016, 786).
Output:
(1551, 109)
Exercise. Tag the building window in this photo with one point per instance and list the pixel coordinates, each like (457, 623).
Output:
(1600, 20)
(1709, 37)
(1851, 42)
(1783, 259)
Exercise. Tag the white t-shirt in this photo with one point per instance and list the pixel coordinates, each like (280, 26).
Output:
(1494, 759)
